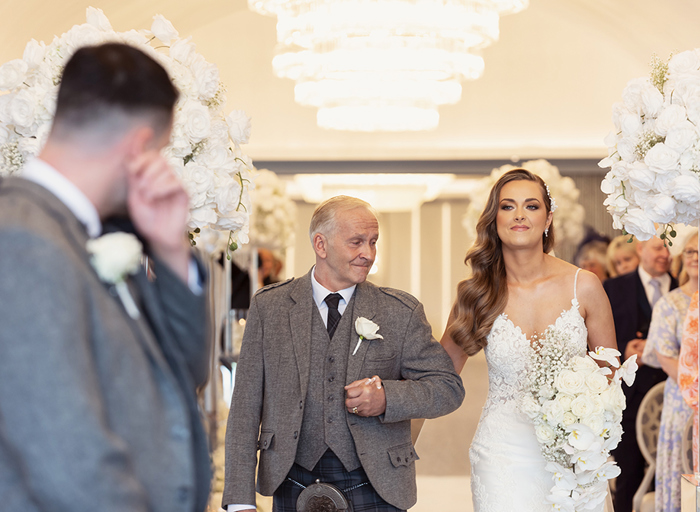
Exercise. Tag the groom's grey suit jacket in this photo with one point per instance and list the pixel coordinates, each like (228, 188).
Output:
(272, 388)
(97, 410)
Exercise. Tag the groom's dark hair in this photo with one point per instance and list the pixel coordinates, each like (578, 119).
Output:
(113, 78)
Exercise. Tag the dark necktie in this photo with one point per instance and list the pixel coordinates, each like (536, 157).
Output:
(332, 301)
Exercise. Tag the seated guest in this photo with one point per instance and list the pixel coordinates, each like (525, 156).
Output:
(622, 255)
(661, 351)
(592, 257)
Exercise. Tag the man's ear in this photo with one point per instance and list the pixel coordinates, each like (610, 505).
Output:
(320, 245)
(138, 140)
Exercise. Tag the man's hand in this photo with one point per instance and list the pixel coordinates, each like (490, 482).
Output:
(158, 207)
(635, 346)
(365, 397)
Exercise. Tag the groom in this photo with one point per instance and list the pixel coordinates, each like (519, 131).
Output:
(97, 400)
(318, 404)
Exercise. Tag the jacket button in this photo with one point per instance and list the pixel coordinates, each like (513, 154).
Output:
(330, 398)
(296, 434)
(330, 420)
(398, 459)
(406, 459)
(331, 359)
(331, 379)
(265, 444)
(301, 404)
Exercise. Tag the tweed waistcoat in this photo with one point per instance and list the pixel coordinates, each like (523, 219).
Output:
(325, 419)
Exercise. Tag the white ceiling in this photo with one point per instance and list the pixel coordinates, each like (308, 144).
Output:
(547, 90)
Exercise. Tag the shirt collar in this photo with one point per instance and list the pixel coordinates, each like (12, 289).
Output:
(646, 277)
(320, 292)
(43, 174)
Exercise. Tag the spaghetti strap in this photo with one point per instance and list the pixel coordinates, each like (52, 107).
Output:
(575, 281)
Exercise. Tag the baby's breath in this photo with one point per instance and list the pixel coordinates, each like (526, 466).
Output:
(647, 140)
(659, 72)
(12, 158)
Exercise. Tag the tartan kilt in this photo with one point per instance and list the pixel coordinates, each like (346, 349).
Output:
(330, 470)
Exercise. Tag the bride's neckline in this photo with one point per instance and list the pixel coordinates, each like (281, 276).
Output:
(574, 305)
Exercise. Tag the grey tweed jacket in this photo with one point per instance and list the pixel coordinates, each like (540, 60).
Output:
(97, 411)
(272, 380)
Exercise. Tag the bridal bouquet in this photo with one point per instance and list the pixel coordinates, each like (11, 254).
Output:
(654, 150)
(576, 406)
(204, 148)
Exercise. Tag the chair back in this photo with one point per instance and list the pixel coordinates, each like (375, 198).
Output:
(649, 422)
(687, 447)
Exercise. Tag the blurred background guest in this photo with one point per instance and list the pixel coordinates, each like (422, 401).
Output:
(593, 257)
(661, 351)
(632, 297)
(622, 255)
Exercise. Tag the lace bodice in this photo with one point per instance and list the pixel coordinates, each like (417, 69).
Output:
(508, 352)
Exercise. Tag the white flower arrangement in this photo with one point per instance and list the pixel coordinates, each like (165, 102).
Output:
(576, 406)
(654, 150)
(367, 330)
(204, 148)
(115, 256)
(568, 221)
(273, 218)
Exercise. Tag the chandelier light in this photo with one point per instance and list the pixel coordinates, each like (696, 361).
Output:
(382, 65)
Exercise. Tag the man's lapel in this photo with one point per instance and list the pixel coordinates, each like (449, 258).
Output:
(365, 306)
(300, 325)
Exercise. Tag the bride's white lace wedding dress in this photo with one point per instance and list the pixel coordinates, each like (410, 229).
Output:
(508, 469)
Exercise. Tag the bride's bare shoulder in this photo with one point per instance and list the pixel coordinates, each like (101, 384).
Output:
(565, 272)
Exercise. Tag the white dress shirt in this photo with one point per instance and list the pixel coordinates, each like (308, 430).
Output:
(649, 289)
(319, 293)
(43, 174)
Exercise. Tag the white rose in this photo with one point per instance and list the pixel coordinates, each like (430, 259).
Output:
(583, 364)
(597, 382)
(163, 29)
(671, 116)
(545, 434)
(198, 182)
(638, 223)
(641, 177)
(79, 36)
(196, 121)
(662, 158)
(568, 419)
(627, 149)
(367, 328)
(182, 50)
(582, 406)
(12, 74)
(97, 19)
(226, 195)
(570, 382)
(22, 109)
(202, 216)
(595, 422)
(234, 221)
(135, 38)
(686, 188)
(630, 124)
(206, 77)
(613, 399)
(652, 100)
(663, 208)
(238, 126)
(553, 412)
(684, 62)
(632, 94)
(115, 255)
(34, 53)
(682, 136)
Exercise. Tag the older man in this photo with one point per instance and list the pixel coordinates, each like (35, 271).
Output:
(318, 394)
(97, 380)
(632, 297)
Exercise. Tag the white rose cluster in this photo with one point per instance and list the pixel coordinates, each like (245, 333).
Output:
(205, 144)
(273, 219)
(654, 150)
(576, 407)
(569, 217)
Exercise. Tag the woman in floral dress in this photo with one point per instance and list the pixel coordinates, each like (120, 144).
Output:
(662, 350)
(688, 369)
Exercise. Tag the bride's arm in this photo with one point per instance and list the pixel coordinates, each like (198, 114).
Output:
(458, 356)
(595, 309)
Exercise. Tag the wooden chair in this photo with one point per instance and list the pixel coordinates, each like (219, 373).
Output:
(648, 424)
(687, 448)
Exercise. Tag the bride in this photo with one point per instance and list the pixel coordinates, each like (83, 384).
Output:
(515, 293)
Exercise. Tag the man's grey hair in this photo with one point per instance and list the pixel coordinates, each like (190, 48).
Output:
(324, 218)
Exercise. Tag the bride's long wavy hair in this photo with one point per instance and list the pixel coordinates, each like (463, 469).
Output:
(483, 296)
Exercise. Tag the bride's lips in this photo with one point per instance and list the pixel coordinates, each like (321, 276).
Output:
(520, 228)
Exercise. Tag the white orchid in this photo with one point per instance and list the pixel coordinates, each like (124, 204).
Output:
(609, 355)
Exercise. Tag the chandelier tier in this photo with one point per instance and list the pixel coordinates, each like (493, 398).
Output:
(382, 65)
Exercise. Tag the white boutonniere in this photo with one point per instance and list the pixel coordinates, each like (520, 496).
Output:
(367, 330)
(114, 256)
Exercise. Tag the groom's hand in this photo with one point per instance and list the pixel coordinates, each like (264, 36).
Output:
(365, 397)
(158, 207)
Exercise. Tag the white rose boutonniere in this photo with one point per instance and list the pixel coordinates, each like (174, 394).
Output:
(367, 330)
(114, 256)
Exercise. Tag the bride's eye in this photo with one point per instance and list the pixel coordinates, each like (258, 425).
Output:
(533, 207)
(506, 207)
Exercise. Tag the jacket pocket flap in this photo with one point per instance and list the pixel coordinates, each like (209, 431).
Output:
(402, 455)
(265, 441)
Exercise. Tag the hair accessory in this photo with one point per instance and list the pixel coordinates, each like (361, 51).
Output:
(552, 203)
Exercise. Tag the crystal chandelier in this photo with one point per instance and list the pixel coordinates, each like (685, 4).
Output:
(382, 65)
